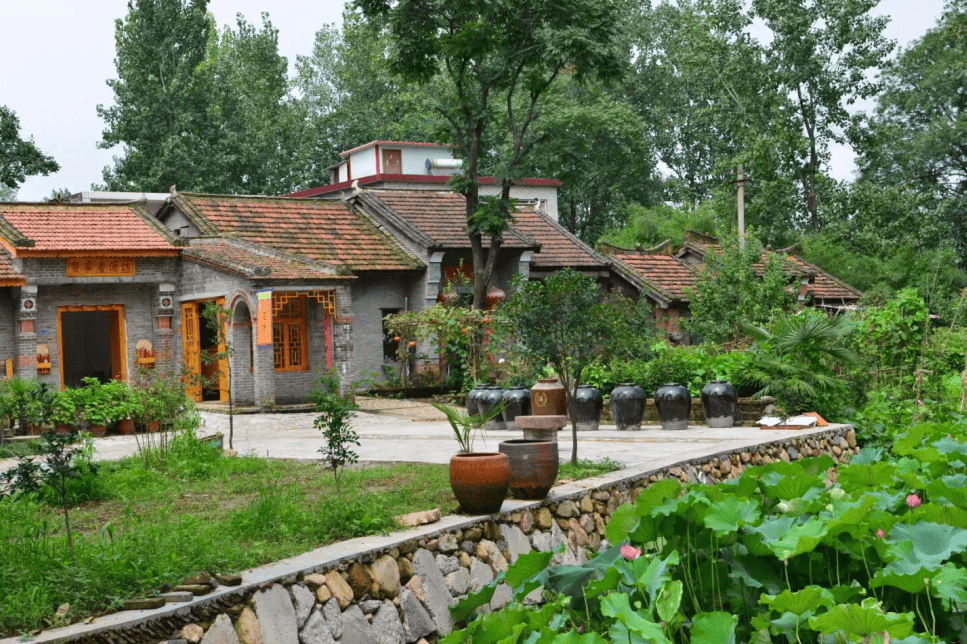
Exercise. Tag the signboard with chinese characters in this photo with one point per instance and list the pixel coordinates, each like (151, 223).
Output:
(100, 267)
(263, 335)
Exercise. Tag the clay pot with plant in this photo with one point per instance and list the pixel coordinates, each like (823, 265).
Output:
(479, 480)
(122, 403)
(64, 411)
(95, 405)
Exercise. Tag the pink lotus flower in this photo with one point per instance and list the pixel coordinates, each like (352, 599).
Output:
(913, 501)
(630, 552)
(880, 533)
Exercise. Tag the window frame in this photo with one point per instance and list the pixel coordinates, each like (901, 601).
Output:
(286, 322)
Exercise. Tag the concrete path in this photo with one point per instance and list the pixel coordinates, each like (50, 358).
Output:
(387, 438)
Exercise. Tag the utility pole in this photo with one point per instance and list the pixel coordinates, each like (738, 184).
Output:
(740, 194)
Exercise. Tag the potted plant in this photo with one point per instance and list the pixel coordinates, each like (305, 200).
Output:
(122, 404)
(95, 405)
(479, 480)
(64, 411)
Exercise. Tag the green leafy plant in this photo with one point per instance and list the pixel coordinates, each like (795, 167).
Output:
(466, 425)
(219, 319)
(94, 402)
(334, 420)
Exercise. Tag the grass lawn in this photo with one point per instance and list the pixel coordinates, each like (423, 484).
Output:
(139, 527)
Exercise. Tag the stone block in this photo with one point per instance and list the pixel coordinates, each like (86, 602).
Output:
(387, 625)
(385, 572)
(222, 632)
(304, 600)
(316, 630)
(247, 627)
(435, 590)
(276, 614)
(417, 622)
(553, 423)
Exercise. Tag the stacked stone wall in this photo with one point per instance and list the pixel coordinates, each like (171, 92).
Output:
(398, 589)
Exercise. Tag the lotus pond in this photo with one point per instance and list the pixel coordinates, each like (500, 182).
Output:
(789, 552)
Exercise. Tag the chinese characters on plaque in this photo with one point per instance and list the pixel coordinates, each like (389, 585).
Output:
(100, 266)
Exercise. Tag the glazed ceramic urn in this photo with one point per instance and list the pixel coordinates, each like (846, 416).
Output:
(490, 397)
(474, 396)
(586, 407)
(548, 399)
(517, 402)
(628, 405)
(674, 403)
(720, 404)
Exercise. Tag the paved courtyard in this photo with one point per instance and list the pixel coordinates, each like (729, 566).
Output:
(411, 431)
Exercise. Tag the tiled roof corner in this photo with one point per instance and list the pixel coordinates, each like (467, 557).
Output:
(13, 236)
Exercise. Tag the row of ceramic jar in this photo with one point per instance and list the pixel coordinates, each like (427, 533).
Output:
(628, 401)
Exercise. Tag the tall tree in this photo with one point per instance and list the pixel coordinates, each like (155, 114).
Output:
(497, 60)
(161, 112)
(819, 61)
(19, 158)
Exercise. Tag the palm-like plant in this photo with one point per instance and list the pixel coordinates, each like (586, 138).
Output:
(795, 360)
(464, 424)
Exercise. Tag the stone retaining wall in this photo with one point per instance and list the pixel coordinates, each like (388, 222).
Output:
(397, 589)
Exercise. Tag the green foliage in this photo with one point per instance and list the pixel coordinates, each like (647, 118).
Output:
(782, 553)
(737, 287)
(465, 425)
(564, 320)
(19, 158)
(799, 361)
(335, 423)
(651, 226)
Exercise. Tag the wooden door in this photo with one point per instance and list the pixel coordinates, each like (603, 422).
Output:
(191, 349)
(392, 162)
(116, 318)
(223, 362)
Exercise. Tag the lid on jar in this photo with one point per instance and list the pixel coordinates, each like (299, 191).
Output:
(627, 384)
(671, 384)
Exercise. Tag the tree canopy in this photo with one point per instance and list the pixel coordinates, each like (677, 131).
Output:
(19, 158)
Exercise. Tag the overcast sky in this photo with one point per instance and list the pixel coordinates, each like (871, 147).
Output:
(56, 55)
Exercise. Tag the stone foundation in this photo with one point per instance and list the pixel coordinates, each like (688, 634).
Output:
(397, 589)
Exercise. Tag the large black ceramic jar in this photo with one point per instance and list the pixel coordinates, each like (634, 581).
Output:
(517, 402)
(473, 396)
(586, 407)
(720, 404)
(628, 405)
(674, 403)
(491, 396)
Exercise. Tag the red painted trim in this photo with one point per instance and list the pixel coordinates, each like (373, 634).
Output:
(327, 325)
(377, 160)
(413, 178)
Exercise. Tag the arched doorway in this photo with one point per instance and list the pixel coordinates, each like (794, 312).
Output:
(243, 376)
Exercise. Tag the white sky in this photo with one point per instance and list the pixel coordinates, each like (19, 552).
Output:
(57, 54)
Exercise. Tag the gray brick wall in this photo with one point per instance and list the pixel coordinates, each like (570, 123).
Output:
(371, 294)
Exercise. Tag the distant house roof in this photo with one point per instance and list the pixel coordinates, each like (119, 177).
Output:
(63, 229)
(9, 276)
(559, 247)
(401, 144)
(440, 180)
(438, 218)
(249, 260)
(675, 273)
(325, 232)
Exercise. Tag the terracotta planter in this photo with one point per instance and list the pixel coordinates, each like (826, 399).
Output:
(547, 398)
(586, 407)
(674, 404)
(479, 480)
(151, 425)
(65, 429)
(35, 430)
(720, 404)
(97, 430)
(126, 426)
(533, 467)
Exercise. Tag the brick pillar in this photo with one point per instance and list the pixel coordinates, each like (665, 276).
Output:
(25, 335)
(162, 337)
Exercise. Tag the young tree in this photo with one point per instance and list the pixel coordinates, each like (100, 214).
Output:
(19, 158)
(335, 423)
(497, 60)
(566, 321)
(219, 320)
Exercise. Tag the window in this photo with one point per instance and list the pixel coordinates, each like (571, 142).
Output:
(289, 335)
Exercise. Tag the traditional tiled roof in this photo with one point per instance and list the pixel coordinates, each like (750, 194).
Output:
(327, 232)
(40, 229)
(559, 247)
(8, 274)
(251, 261)
(666, 272)
(441, 217)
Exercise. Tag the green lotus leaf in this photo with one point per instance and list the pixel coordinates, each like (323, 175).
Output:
(867, 456)
(817, 465)
(573, 637)
(948, 445)
(653, 576)
(623, 522)
(843, 594)
(714, 628)
(799, 602)
(952, 489)
(905, 577)
(657, 493)
(950, 583)
(669, 600)
(730, 514)
(850, 516)
(786, 539)
(779, 486)
(743, 486)
(931, 544)
(858, 622)
(755, 572)
(618, 606)
(866, 476)
(618, 632)
(787, 623)
(944, 514)
(526, 566)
